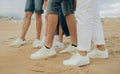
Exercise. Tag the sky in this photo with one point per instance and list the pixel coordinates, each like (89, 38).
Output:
(108, 8)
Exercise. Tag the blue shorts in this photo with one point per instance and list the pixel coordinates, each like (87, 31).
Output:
(34, 6)
(54, 6)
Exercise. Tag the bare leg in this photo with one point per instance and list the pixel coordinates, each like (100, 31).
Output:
(101, 47)
(60, 34)
(46, 23)
(26, 24)
(72, 28)
(83, 53)
(51, 23)
(38, 25)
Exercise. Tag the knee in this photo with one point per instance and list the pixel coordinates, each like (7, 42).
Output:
(28, 15)
(38, 15)
(70, 16)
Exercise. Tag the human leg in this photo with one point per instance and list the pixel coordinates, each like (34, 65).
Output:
(68, 11)
(52, 21)
(63, 23)
(84, 35)
(71, 23)
(29, 9)
(26, 24)
(38, 12)
(100, 50)
(86, 22)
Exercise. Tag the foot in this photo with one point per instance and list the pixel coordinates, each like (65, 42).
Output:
(36, 43)
(43, 53)
(71, 49)
(58, 44)
(77, 60)
(18, 42)
(99, 54)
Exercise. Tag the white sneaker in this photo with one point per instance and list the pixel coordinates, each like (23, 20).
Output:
(98, 54)
(18, 42)
(71, 49)
(58, 44)
(55, 38)
(43, 53)
(36, 43)
(77, 60)
(43, 41)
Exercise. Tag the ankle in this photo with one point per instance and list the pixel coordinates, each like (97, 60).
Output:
(61, 41)
(22, 38)
(101, 47)
(38, 38)
(47, 46)
(82, 53)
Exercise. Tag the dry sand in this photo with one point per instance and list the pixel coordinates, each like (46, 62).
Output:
(15, 60)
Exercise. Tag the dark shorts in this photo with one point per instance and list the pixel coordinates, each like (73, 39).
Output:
(34, 6)
(54, 6)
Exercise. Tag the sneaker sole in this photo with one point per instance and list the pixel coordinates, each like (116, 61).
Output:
(82, 65)
(45, 57)
(49, 56)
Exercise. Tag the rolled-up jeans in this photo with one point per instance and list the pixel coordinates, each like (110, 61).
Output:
(89, 27)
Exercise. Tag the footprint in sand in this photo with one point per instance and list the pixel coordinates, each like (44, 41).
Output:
(12, 38)
(115, 54)
(5, 42)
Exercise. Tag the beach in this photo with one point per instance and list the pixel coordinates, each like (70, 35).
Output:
(15, 60)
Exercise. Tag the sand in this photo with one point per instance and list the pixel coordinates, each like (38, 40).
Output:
(15, 60)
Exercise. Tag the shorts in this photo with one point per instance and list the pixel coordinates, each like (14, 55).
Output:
(34, 6)
(54, 6)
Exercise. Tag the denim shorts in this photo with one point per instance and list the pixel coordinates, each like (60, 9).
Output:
(34, 6)
(54, 6)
